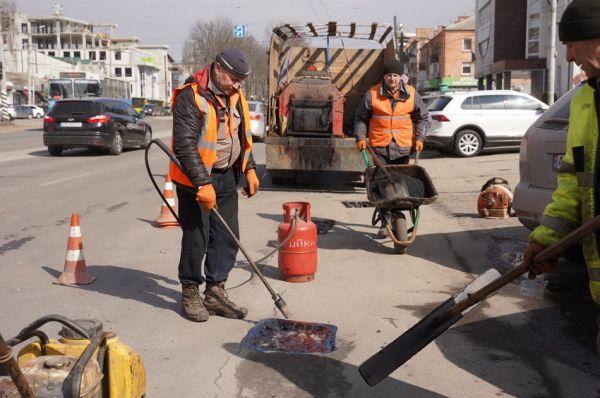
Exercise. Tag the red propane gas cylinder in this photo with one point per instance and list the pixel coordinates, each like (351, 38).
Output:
(298, 257)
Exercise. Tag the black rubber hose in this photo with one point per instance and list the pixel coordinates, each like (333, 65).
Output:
(172, 157)
(29, 329)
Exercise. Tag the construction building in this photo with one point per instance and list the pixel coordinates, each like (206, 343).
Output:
(37, 49)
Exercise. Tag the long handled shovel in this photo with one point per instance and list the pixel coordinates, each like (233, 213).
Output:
(392, 356)
(391, 189)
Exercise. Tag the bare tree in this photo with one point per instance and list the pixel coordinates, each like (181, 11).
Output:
(7, 20)
(207, 39)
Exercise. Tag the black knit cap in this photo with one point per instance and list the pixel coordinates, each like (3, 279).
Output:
(392, 66)
(234, 61)
(580, 21)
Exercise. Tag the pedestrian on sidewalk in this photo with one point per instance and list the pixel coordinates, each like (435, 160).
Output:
(577, 196)
(213, 142)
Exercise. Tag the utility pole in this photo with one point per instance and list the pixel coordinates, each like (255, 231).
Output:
(396, 37)
(3, 97)
(552, 53)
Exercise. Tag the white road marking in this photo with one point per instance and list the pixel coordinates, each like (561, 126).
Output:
(64, 179)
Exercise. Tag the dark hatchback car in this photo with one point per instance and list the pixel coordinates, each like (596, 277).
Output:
(94, 123)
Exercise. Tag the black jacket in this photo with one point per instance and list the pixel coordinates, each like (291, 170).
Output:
(187, 125)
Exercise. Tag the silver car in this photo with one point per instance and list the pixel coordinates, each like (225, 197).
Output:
(542, 148)
(257, 120)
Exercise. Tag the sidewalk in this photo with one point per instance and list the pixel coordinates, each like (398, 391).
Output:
(7, 125)
(16, 125)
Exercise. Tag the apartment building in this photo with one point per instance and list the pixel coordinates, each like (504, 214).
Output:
(37, 49)
(447, 59)
(513, 47)
(415, 68)
(147, 68)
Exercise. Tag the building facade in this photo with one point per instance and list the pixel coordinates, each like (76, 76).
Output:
(415, 68)
(513, 47)
(37, 49)
(447, 59)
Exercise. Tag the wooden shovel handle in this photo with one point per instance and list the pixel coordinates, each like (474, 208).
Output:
(548, 253)
(379, 163)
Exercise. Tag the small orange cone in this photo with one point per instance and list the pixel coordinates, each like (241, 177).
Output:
(75, 272)
(166, 219)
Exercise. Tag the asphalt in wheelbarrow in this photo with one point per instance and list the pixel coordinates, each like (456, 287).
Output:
(411, 184)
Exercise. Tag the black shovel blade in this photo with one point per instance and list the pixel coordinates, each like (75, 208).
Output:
(392, 356)
(395, 354)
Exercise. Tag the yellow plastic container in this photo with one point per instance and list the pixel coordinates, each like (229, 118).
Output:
(126, 374)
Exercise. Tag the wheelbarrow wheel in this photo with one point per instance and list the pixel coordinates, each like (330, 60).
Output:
(401, 231)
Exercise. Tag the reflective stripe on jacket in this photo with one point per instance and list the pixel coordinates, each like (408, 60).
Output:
(207, 142)
(573, 201)
(386, 122)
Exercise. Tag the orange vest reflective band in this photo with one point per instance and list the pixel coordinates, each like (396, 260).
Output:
(386, 123)
(207, 143)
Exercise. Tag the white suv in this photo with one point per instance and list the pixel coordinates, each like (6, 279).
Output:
(467, 123)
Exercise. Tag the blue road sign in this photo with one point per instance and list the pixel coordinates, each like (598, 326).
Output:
(239, 31)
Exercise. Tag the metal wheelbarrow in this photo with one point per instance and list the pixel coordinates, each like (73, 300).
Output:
(410, 188)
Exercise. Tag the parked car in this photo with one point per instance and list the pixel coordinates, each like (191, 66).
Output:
(150, 110)
(257, 120)
(467, 123)
(429, 97)
(542, 148)
(164, 111)
(23, 112)
(38, 112)
(94, 123)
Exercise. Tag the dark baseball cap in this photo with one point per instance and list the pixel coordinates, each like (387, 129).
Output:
(233, 60)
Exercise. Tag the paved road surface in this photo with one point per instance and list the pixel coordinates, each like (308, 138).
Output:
(522, 342)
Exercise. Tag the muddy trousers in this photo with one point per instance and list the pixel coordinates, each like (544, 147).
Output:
(205, 236)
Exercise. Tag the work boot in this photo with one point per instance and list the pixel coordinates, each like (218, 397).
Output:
(217, 302)
(193, 307)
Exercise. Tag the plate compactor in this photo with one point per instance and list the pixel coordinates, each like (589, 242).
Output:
(86, 361)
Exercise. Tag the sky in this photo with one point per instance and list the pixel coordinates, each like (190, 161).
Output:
(169, 21)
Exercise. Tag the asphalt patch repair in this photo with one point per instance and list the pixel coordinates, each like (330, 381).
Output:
(294, 337)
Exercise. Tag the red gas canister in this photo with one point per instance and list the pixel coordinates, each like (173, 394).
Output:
(298, 257)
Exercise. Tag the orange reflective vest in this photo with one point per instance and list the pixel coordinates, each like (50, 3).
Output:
(386, 123)
(207, 142)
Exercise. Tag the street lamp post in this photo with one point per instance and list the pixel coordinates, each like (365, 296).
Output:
(552, 55)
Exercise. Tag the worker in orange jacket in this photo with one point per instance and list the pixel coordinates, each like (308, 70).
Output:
(213, 142)
(393, 117)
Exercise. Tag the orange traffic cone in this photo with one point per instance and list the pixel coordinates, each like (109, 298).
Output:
(166, 219)
(75, 272)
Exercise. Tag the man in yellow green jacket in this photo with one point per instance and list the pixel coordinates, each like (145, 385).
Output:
(577, 196)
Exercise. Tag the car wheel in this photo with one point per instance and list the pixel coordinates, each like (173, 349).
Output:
(147, 138)
(55, 150)
(467, 143)
(117, 144)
